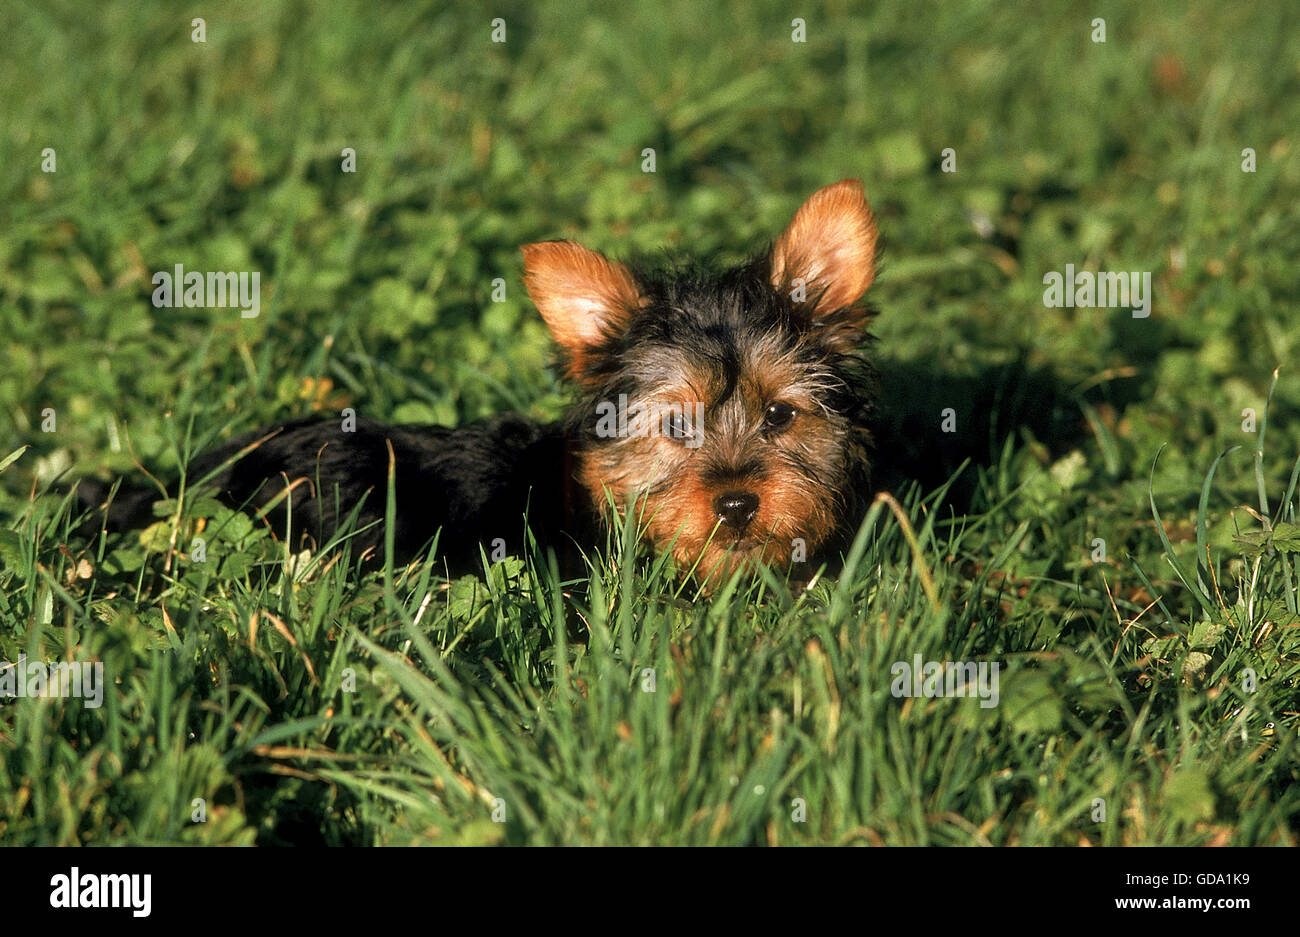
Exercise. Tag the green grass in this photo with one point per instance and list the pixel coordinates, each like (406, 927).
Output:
(305, 703)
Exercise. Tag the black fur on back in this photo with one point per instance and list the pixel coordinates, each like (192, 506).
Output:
(474, 483)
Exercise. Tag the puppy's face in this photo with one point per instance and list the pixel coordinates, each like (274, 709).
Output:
(724, 411)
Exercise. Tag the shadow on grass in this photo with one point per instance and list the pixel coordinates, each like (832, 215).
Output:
(930, 421)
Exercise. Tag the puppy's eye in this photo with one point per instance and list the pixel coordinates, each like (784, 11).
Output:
(680, 428)
(778, 416)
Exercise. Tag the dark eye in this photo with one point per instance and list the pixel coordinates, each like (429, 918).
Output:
(778, 416)
(680, 428)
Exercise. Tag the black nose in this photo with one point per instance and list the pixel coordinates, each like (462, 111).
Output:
(736, 508)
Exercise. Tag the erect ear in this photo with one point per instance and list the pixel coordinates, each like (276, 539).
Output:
(830, 246)
(583, 296)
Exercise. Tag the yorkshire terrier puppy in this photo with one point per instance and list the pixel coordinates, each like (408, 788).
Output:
(724, 412)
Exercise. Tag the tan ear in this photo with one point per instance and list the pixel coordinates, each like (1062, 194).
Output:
(583, 296)
(831, 246)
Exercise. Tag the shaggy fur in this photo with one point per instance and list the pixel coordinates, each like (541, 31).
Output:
(725, 410)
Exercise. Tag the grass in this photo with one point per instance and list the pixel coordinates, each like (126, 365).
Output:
(301, 702)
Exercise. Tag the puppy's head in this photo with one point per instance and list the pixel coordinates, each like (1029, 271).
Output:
(725, 410)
